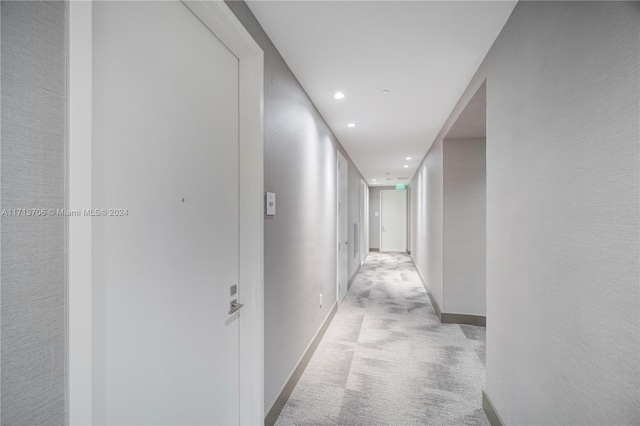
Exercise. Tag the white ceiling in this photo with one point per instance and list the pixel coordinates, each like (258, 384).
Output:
(423, 52)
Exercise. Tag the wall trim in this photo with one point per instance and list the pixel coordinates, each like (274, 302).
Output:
(353, 277)
(478, 320)
(490, 411)
(446, 318)
(278, 405)
(426, 287)
(434, 303)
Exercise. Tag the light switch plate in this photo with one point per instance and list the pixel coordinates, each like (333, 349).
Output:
(271, 203)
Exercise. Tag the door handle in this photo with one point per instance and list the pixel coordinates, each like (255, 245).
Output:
(234, 306)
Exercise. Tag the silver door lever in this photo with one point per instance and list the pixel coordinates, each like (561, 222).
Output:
(234, 306)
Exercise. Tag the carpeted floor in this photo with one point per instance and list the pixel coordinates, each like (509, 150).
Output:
(387, 360)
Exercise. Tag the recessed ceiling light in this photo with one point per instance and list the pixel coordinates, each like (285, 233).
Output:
(339, 95)
(351, 125)
(406, 166)
(385, 91)
(408, 158)
(374, 180)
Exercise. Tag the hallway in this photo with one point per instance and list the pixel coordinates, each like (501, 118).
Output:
(187, 187)
(387, 359)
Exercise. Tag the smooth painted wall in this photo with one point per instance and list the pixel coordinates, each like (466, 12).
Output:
(427, 218)
(33, 155)
(563, 189)
(374, 221)
(464, 261)
(300, 240)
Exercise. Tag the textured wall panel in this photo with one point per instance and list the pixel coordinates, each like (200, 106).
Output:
(33, 289)
(563, 213)
(563, 301)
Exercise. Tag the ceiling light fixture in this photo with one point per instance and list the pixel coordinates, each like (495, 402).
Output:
(374, 180)
(339, 95)
(351, 125)
(385, 91)
(406, 166)
(408, 158)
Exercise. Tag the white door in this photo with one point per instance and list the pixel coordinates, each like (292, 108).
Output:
(393, 220)
(166, 148)
(343, 231)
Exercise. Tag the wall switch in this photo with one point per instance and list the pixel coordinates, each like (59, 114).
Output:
(376, 214)
(321, 300)
(271, 203)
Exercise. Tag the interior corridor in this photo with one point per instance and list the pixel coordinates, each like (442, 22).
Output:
(387, 359)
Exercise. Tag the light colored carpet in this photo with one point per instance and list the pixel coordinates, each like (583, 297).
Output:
(387, 360)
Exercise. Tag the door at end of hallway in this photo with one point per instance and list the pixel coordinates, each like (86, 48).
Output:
(393, 220)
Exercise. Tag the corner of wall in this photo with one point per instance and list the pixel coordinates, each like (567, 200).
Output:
(490, 410)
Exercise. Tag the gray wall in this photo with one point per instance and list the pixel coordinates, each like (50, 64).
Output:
(374, 221)
(300, 241)
(563, 302)
(464, 177)
(33, 170)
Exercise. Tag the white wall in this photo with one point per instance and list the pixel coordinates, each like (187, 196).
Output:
(427, 217)
(464, 177)
(563, 294)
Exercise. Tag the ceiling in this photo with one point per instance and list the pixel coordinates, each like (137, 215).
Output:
(423, 52)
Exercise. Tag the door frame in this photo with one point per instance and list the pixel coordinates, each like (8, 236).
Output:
(84, 389)
(364, 221)
(340, 158)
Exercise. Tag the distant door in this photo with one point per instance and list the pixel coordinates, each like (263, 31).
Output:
(409, 219)
(367, 243)
(343, 230)
(364, 228)
(393, 220)
(166, 136)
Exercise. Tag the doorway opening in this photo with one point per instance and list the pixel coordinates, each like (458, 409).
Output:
(464, 215)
